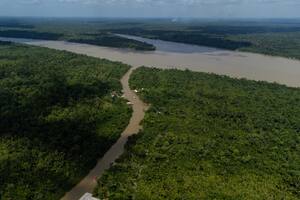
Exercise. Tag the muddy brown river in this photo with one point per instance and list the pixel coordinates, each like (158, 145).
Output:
(171, 55)
(196, 58)
(88, 183)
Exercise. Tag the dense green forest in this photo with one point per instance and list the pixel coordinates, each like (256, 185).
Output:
(101, 39)
(272, 37)
(278, 37)
(111, 40)
(15, 29)
(190, 37)
(209, 137)
(15, 25)
(278, 41)
(275, 44)
(4, 43)
(29, 34)
(57, 117)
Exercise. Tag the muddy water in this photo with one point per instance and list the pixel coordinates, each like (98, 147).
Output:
(172, 55)
(88, 183)
(235, 64)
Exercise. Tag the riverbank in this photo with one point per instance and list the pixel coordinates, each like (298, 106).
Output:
(209, 137)
(88, 183)
(57, 118)
(231, 63)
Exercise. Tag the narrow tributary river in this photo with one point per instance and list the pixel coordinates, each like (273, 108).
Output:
(88, 183)
(171, 55)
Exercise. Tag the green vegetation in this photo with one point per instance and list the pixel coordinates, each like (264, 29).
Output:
(101, 39)
(4, 43)
(278, 37)
(72, 31)
(275, 41)
(111, 40)
(57, 117)
(275, 44)
(189, 37)
(271, 37)
(210, 137)
(29, 34)
(8, 22)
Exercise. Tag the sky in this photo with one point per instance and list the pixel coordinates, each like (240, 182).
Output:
(153, 8)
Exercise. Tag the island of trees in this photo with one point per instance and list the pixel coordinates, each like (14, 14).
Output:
(100, 39)
(111, 40)
(278, 37)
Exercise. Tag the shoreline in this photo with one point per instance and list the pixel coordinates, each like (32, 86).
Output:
(29, 40)
(88, 183)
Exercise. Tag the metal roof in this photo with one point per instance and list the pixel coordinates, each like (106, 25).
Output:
(88, 196)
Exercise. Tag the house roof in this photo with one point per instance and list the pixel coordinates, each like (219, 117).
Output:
(88, 196)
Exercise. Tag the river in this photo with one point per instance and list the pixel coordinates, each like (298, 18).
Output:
(88, 183)
(197, 58)
(170, 55)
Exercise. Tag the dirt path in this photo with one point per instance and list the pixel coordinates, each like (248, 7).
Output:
(88, 183)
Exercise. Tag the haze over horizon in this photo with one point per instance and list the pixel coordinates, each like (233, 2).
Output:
(152, 8)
